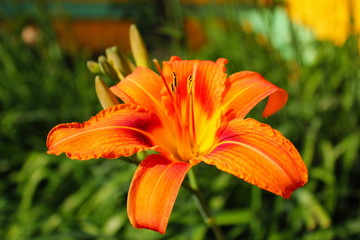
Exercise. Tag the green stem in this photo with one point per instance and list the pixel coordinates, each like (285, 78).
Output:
(203, 208)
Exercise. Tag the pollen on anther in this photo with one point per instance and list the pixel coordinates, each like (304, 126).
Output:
(175, 79)
(190, 84)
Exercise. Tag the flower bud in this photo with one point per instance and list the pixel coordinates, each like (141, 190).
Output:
(106, 97)
(107, 69)
(138, 47)
(120, 62)
(93, 67)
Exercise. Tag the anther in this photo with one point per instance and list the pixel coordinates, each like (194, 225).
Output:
(175, 79)
(190, 84)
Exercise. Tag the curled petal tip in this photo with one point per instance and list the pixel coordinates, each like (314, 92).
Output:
(277, 101)
(250, 88)
(175, 58)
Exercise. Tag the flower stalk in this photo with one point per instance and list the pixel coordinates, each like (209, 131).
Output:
(202, 206)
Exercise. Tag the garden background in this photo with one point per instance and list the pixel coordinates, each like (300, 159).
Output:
(310, 49)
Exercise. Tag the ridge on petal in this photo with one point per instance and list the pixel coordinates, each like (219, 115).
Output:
(153, 191)
(244, 90)
(121, 130)
(259, 155)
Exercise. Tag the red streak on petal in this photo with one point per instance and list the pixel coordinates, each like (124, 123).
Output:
(153, 192)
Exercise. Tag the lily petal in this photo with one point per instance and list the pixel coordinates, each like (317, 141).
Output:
(208, 81)
(259, 155)
(121, 130)
(153, 191)
(142, 87)
(246, 89)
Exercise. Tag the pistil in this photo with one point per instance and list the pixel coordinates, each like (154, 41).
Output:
(184, 109)
(192, 115)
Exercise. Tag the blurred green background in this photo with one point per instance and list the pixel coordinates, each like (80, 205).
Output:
(44, 47)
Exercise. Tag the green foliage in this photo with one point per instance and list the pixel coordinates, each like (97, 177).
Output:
(51, 197)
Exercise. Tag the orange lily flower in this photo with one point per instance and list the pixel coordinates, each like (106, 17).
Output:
(190, 113)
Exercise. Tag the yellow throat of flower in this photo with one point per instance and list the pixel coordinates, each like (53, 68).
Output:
(193, 132)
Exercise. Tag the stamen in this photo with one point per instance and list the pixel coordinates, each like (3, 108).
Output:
(184, 109)
(175, 79)
(157, 65)
(190, 84)
(192, 93)
(174, 84)
(193, 127)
